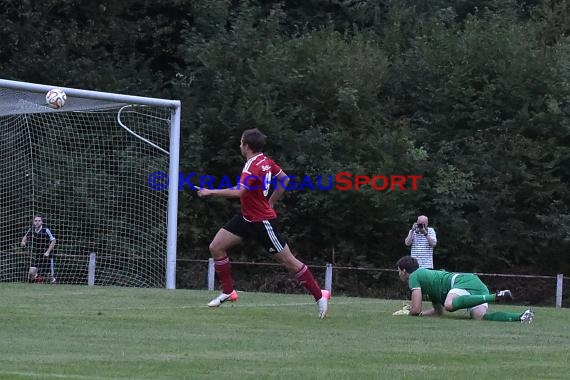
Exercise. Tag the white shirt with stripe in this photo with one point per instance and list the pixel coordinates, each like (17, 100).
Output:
(422, 250)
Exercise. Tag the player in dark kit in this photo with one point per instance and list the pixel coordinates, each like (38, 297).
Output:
(257, 221)
(43, 243)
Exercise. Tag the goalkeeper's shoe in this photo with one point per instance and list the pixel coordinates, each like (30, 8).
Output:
(323, 303)
(503, 296)
(527, 317)
(223, 297)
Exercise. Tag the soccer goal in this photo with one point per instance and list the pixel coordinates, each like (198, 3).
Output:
(91, 169)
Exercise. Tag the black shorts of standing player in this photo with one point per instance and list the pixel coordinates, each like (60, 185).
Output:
(44, 268)
(264, 232)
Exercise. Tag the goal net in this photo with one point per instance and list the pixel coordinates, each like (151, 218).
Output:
(87, 169)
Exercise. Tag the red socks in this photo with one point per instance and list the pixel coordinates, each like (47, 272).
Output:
(304, 276)
(223, 268)
(306, 279)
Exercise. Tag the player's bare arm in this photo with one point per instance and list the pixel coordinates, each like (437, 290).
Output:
(416, 307)
(226, 193)
(50, 248)
(435, 310)
(280, 186)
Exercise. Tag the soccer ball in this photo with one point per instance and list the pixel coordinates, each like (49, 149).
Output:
(55, 98)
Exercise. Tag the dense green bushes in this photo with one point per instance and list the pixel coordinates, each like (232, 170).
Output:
(474, 96)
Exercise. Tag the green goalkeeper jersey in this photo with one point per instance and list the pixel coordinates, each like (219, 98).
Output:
(435, 283)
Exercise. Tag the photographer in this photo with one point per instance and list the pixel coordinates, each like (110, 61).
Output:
(422, 239)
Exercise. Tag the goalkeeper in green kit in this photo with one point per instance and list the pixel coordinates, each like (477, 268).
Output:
(454, 291)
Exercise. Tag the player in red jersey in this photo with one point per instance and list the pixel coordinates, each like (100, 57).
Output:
(257, 220)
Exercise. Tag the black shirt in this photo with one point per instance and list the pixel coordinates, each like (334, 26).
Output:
(39, 240)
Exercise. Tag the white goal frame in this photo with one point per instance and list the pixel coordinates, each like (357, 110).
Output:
(174, 152)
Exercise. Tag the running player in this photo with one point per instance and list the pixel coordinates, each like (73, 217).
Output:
(257, 221)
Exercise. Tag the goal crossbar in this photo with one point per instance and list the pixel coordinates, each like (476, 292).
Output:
(175, 110)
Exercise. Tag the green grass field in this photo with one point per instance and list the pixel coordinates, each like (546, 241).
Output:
(76, 332)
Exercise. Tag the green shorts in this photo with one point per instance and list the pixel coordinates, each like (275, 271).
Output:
(469, 282)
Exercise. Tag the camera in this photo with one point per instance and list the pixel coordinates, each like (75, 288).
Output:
(421, 226)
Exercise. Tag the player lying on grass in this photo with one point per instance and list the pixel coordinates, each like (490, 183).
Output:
(454, 291)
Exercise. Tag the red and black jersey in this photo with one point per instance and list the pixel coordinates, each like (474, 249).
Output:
(256, 177)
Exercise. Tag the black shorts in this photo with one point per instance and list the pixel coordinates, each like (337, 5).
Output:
(44, 264)
(263, 232)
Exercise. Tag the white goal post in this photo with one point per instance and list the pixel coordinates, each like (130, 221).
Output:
(87, 169)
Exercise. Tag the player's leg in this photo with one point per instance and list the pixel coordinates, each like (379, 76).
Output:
(52, 270)
(268, 235)
(32, 273)
(301, 272)
(43, 265)
(467, 301)
(222, 242)
(219, 247)
(305, 277)
(271, 239)
(480, 312)
(476, 293)
(458, 298)
(456, 295)
(225, 238)
(505, 316)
